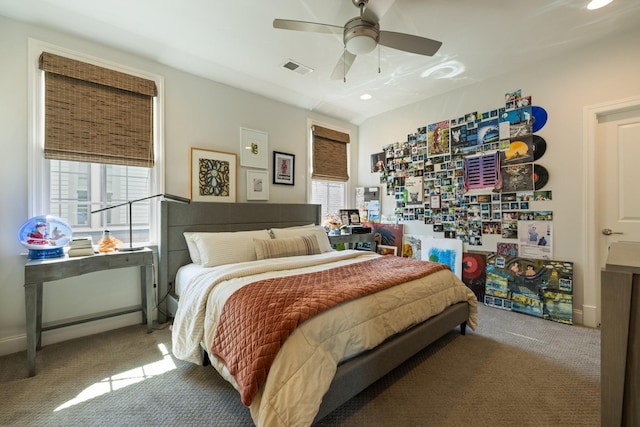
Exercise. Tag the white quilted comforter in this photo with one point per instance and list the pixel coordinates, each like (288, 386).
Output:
(304, 368)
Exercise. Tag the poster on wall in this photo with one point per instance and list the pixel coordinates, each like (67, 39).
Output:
(438, 138)
(387, 234)
(520, 121)
(535, 239)
(413, 187)
(520, 151)
(412, 246)
(445, 251)
(474, 272)
(517, 177)
(542, 288)
(488, 131)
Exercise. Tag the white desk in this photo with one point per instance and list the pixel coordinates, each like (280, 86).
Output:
(36, 272)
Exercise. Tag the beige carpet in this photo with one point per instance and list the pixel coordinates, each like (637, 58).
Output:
(515, 370)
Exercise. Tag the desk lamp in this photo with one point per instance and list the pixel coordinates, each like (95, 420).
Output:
(168, 197)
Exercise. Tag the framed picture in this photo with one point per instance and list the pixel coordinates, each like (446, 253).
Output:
(283, 168)
(213, 176)
(387, 250)
(435, 201)
(257, 185)
(350, 216)
(254, 148)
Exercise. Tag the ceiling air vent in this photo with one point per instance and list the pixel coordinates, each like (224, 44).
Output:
(297, 67)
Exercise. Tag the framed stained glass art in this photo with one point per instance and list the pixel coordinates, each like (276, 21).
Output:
(213, 176)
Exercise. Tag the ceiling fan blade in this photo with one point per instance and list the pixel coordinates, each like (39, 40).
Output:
(342, 67)
(409, 43)
(285, 24)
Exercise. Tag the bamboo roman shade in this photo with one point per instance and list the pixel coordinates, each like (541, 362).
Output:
(94, 114)
(329, 154)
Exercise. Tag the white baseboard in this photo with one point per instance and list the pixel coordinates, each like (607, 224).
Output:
(590, 316)
(18, 343)
(578, 317)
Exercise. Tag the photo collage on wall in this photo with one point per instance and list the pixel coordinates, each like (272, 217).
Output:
(431, 174)
(474, 176)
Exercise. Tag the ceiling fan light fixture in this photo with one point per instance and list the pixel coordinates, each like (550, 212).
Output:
(360, 45)
(361, 37)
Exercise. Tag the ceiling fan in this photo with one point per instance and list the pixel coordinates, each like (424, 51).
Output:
(361, 35)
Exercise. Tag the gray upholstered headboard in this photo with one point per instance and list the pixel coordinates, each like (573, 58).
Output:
(176, 218)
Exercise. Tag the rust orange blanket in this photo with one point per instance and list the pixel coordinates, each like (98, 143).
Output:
(258, 318)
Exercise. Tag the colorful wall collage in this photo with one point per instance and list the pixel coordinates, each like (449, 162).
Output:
(477, 175)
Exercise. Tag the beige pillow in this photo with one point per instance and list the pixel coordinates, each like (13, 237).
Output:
(295, 227)
(316, 230)
(194, 253)
(293, 246)
(227, 247)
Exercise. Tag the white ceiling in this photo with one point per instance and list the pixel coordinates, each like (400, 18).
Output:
(233, 42)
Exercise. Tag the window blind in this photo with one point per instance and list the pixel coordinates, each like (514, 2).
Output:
(94, 114)
(329, 154)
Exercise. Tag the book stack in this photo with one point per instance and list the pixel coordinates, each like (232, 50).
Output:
(81, 246)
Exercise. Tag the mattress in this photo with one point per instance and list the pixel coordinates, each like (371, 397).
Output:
(185, 275)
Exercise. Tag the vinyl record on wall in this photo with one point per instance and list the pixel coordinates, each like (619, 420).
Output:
(539, 117)
(540, 177)
(473, 266)
(539, 146)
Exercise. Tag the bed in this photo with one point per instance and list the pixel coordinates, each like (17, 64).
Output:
(307, 379)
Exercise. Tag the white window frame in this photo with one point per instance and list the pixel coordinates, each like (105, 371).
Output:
(37, 166)
(347, 184)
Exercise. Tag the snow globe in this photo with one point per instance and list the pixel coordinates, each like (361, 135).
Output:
(45, 236)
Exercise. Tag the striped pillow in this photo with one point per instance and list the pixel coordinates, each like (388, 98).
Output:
(293, 246)
(316, 230)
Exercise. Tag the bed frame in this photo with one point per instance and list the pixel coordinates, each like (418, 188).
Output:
(352, 376)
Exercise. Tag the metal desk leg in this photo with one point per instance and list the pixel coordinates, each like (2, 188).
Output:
(147, 295)
(31, 302)
(39, 300)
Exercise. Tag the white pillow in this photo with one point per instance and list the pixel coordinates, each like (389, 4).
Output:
(227, 247)
(316, 230)
(194, 253)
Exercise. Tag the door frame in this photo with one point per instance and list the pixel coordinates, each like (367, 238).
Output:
(591, 301)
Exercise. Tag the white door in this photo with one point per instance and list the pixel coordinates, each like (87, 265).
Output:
(617, 180)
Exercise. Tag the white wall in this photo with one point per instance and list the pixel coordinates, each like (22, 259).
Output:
(603, 72)
(198, 113)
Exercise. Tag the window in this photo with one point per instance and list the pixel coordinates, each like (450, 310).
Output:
(329, 176)
(77, 188)
(77, 168)
(329, 194)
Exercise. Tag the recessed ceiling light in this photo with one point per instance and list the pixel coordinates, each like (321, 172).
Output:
(365, 96)
(597, 4)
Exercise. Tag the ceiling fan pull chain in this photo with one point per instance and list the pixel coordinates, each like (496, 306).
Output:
(344, 64)
(378, 59)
